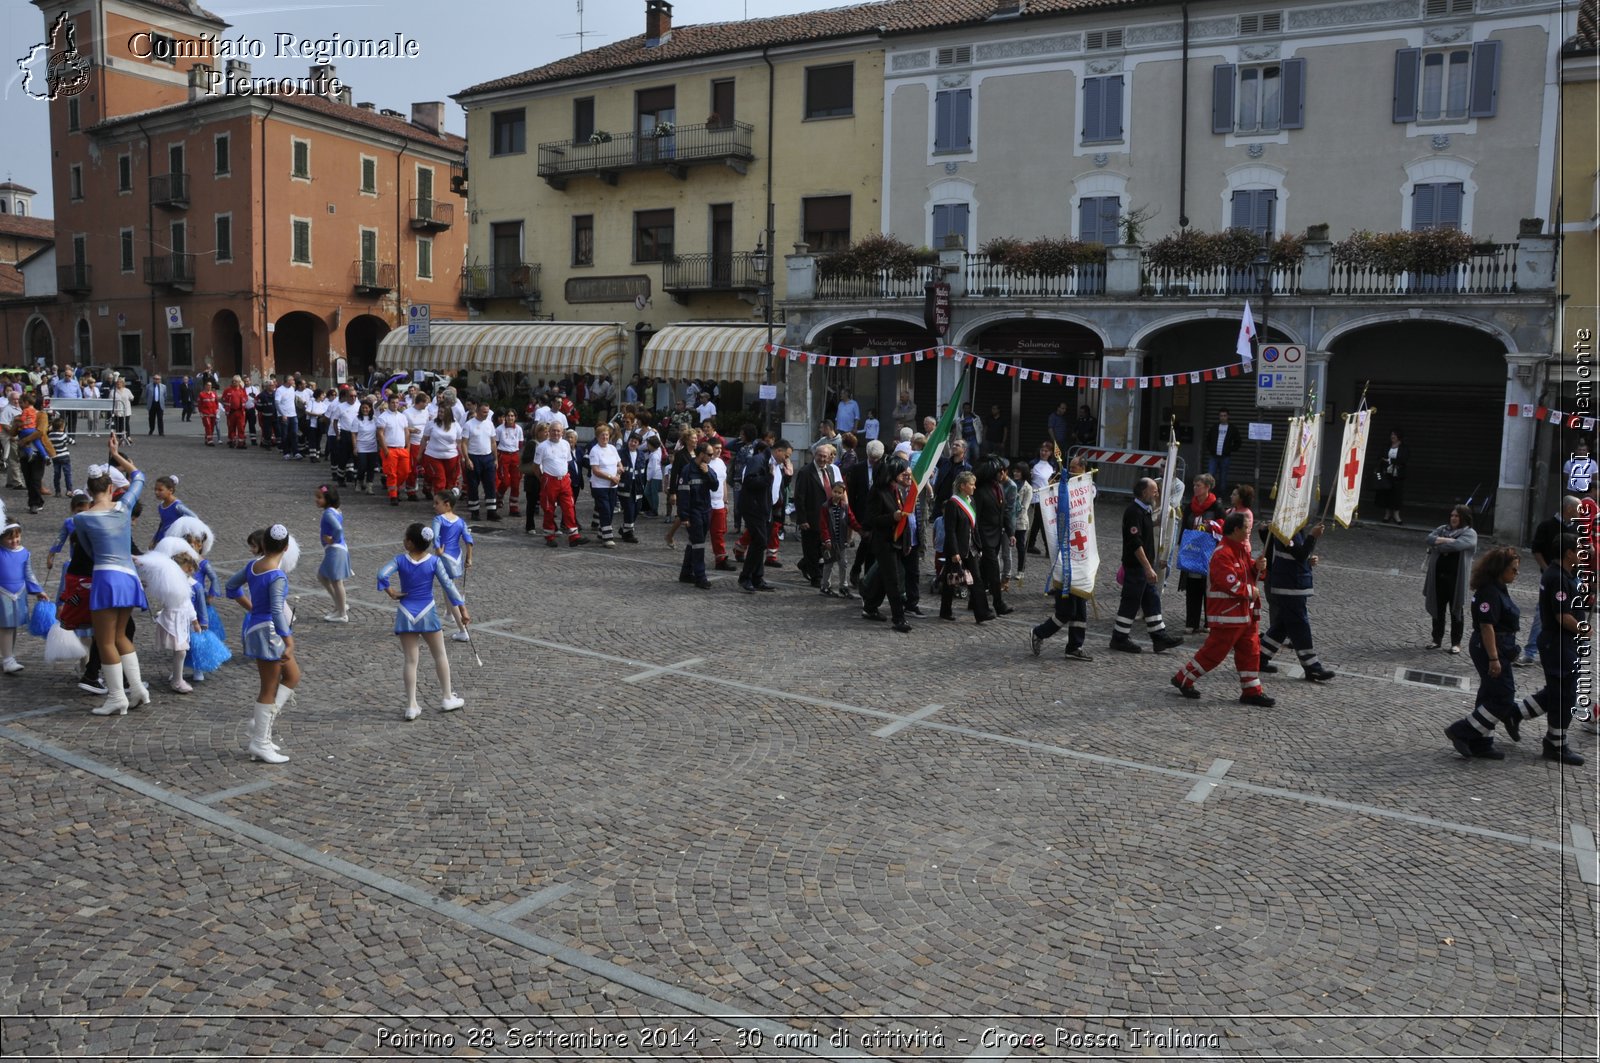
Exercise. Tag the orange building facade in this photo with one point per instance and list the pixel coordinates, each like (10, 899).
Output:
(206, 221)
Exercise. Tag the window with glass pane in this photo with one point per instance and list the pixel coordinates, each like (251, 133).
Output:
(1260, 98)
(507, 132)
(224, 154)
(124, 173)
(583, 119)
(652, 235)
(949, 219)
(825, 220)
(425, 257)
(127, 250)
(830, 90)
(1098, 217)
(1445, 78)
(583, 240)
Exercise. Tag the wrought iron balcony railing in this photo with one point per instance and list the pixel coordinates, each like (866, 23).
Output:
(432, 215)
(73, 277)
(519, 281)
(371, 277)
(170, 190)
(732, 271)
(170, 271)
(729, 143)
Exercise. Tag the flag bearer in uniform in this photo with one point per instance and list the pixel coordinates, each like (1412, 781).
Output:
(1232, 605)
(1071, 611)
(1563, 605)
(1140, 581)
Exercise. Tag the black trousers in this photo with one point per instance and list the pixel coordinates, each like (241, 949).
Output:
(978, 603)
(158, 419)
(989, 578)
(33, 476)
(1291, 622)
(694, 555)
(756, 557)
(885, 579)
(1071, 613)
(1138, 595)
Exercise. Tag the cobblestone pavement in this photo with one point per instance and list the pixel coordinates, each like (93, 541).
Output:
(725, 825)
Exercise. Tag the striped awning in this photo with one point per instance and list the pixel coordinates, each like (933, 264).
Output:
(548, 347)
(708, 352)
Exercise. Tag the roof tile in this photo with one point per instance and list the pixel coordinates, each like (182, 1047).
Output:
(27, 226)
(344, 112)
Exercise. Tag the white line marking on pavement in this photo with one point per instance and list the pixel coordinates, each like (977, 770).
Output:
(651, 673)
(46, 711)
(1584, 853)
(1059, 751)
(1203, 788)
(906, 721)
(517, 909)
(237, 791)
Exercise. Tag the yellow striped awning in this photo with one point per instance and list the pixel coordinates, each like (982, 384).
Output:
(708, 352)
(548, 347)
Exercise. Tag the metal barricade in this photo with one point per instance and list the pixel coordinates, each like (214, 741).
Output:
(99, 411)
(1119, 470)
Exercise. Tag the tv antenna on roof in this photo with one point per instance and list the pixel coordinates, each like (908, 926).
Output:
(582, 33)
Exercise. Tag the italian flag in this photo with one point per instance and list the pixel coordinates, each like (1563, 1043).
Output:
(932, 451)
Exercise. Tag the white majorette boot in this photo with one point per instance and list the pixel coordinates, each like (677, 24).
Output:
(412, 712)
(261, 736)
(451, 703)
(282, 698)
(116, 703)
(138, 693)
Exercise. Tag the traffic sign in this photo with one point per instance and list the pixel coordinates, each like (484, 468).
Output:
(418, 319)
(1281, 377)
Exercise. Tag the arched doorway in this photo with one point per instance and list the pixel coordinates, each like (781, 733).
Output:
(83, 343)
(299, 343)
(227, 345)
(361, 338)
(876, 388)
(1443, 385)
(1041, 344)
(38, 344)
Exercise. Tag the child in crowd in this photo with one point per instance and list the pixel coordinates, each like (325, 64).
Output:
(653, 475)
(335, 567)
(16, 583)
(170, 508)
(871, 428)
(177, 617)
(836, 523)
(417, 618)
(60, 442)
(1021, 517)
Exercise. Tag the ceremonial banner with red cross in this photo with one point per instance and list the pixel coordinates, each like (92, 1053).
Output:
(1297, 478)
(1352, 462)
(1078, 556)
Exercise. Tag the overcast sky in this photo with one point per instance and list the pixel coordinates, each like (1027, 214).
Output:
(462, 43)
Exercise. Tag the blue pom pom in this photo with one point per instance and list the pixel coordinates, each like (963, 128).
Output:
(42, 619)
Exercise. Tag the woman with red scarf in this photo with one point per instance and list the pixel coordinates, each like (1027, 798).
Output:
(233, 400)
(1232, 607)
(1205, 514)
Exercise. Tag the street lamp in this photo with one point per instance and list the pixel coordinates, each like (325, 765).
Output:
(1261, 268)
(760, 265)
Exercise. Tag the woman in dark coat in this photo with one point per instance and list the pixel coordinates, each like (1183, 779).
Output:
(1391, 476)
(990, 502)
(961, 549)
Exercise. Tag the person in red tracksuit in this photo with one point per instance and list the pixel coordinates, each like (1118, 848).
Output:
(208, 412)
(233, 400)
(1233, 604)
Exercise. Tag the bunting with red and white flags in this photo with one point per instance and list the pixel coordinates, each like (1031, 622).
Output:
(1297, 478)
(1352, 463)
(1245, 345)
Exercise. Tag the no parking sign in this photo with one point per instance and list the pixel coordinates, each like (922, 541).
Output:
(1281, 379)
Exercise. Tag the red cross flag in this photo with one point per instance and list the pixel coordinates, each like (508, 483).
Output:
(1297, 478)
(1352, 460)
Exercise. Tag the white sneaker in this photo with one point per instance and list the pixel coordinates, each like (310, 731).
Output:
(10, 666)
(337, 618)
(461, 636)
(181, 687)
(412, 712)
(451, 703)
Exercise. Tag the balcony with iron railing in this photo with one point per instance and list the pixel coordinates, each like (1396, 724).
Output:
(687, 145)
(432, 215)
(519, 281)
(880, 284)
(732, 271)
(987, 279)
(170, 190)
(1217, 281)
(74, 277)
(371, 277)
(174, 271)
(1491, 270)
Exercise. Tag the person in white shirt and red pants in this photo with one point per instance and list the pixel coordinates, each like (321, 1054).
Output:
(508, 459)
(554, 458)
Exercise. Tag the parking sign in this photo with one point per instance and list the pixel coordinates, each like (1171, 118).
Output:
(1281, 377)
(418, 318)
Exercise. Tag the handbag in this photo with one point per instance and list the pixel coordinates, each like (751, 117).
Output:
(1195, 550)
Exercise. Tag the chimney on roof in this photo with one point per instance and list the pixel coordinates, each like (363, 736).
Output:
(657, 23)
(390, 112)
(237, 70)
(429, 115)
(345, 95)
(324, 77)
(367, 105)
(200, 81)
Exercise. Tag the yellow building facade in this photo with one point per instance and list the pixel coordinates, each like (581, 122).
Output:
(631, 184)
(1578, 172)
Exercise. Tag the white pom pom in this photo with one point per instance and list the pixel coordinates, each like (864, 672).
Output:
(291, 555)
(427, 535)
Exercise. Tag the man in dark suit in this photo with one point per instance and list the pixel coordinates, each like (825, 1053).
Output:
(1220, 442)
(950, 466)
(859, 482)
(156, 397)
(813, 487)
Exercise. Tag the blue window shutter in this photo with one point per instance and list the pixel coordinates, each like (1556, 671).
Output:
(1093, 92)
(941, 121)
(1485, 91)
(1447, 205)
(1097, 219)
(958, 222)
(1111, 108)
(1266, 209)
(1407, 68)
(941, 223)
(1243, 209)
(1424, 206)
(1294, 94)
(1222, 98)
(961, 120)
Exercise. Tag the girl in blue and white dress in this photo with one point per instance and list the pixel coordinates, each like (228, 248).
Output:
(16, 583)
(417, 619)
(169, 508)
(452, 541)
(105, 532)
(335, 554)
(262, 587)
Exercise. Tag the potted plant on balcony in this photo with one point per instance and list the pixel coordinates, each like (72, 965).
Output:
(1183, 252)
(663, 130)
(1429, 252)
(599, 136)
(714, 121)
(876, 254)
